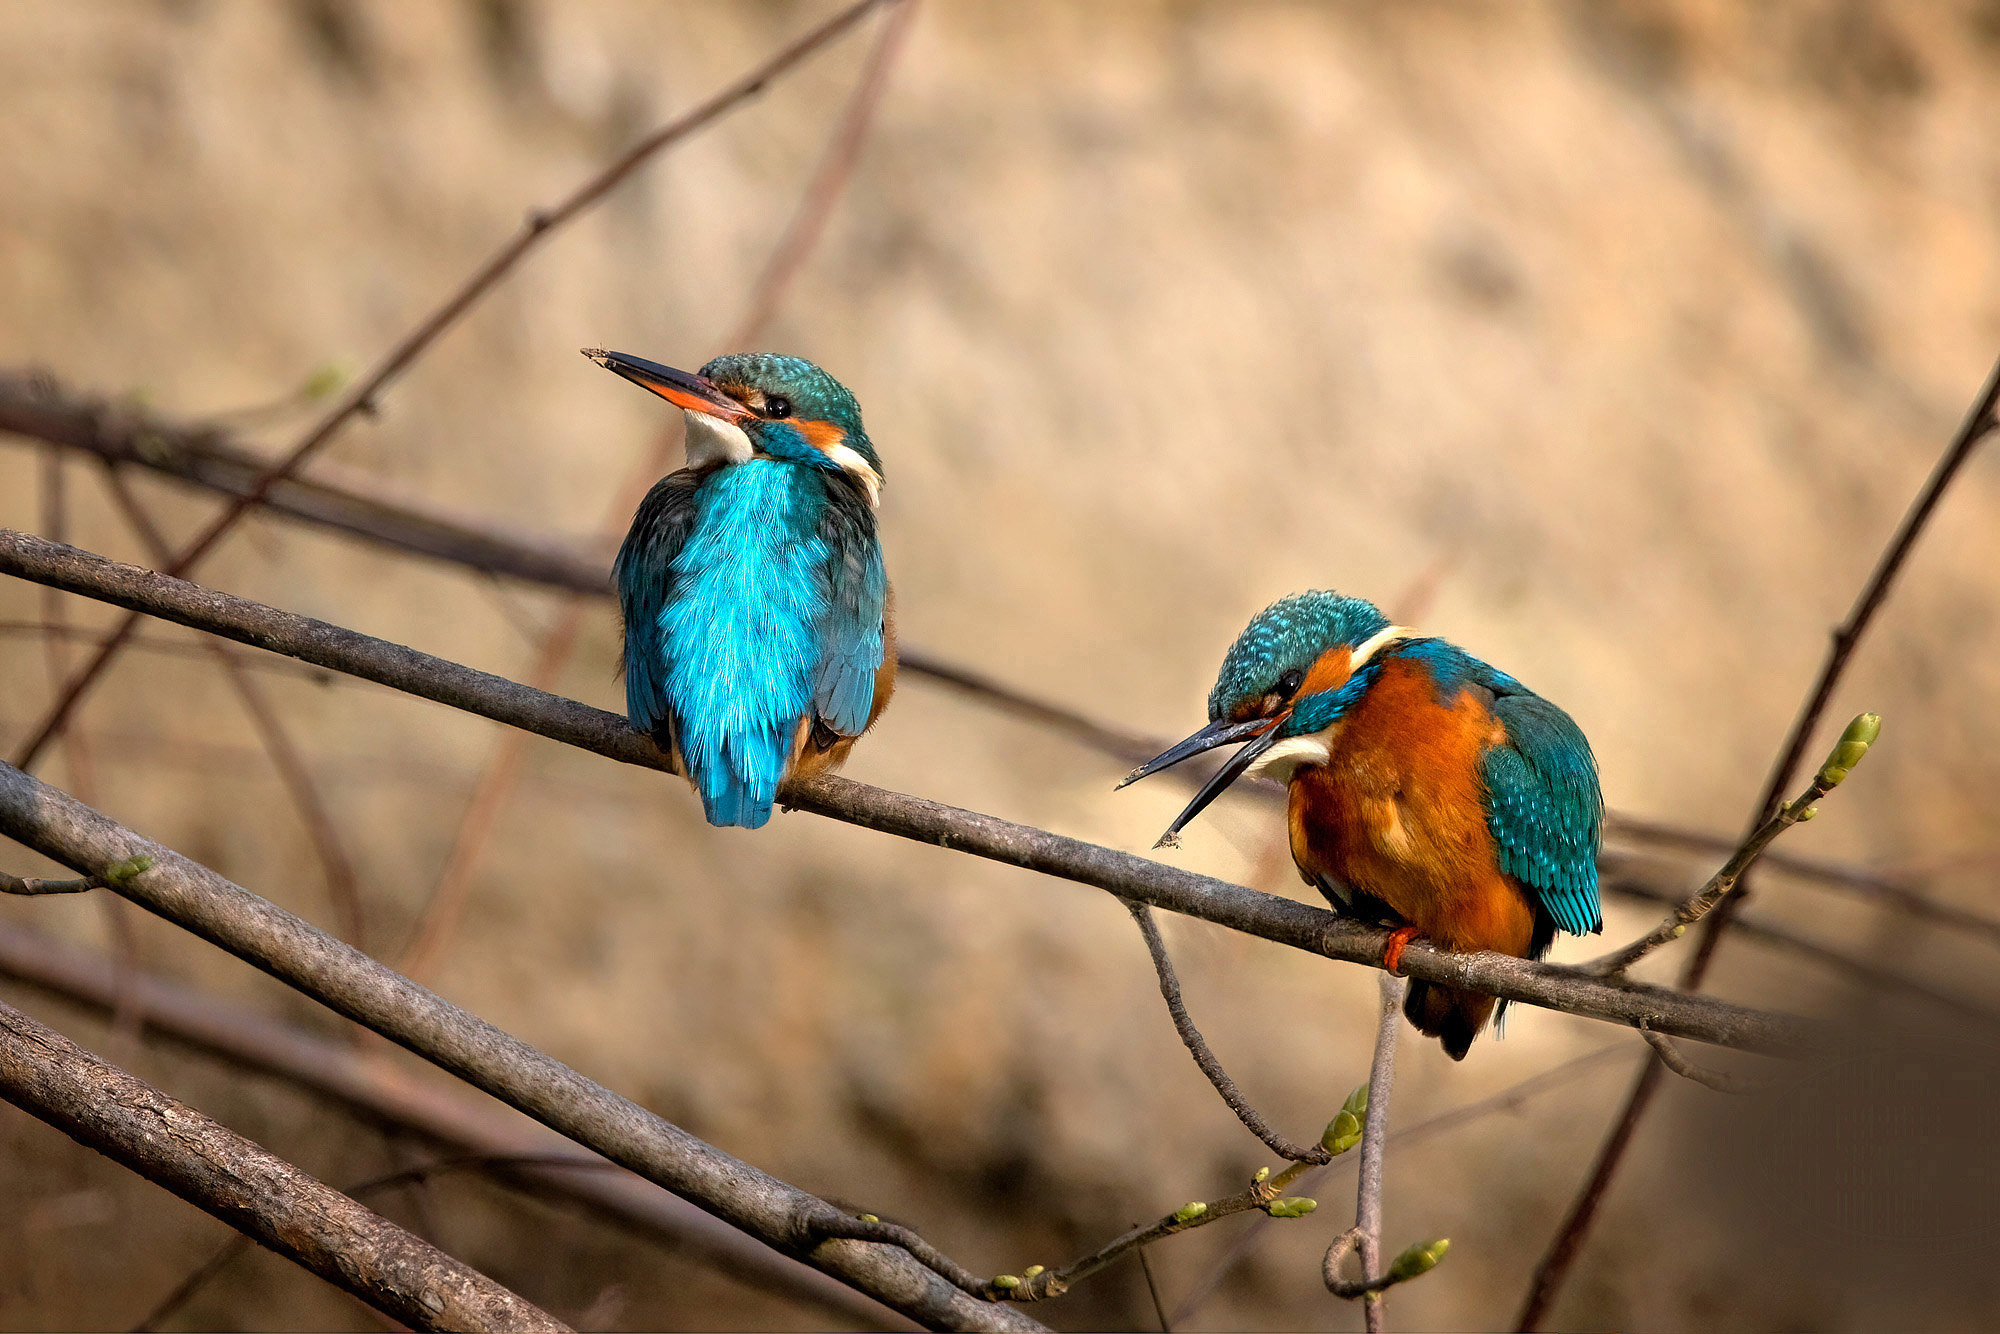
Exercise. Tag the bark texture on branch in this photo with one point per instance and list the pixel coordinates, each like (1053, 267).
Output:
(437, 1111)
(352, 984)
(1282, 920)
(257, 1193)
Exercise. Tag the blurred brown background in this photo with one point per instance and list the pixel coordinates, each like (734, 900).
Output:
(1612, 338)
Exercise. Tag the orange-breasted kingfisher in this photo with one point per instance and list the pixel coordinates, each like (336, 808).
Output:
(1426, 790)
(759, 642)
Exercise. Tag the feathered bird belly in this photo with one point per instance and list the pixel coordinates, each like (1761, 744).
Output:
(1398, 813)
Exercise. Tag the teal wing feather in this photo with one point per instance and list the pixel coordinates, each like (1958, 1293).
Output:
(644, 573)
(1544, 807)
(851, 626)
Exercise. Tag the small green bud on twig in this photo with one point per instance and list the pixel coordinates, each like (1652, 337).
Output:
(325, 381)
(1853, 744)
(868, 1218)
(1032, 1270)
(1292, 1206)
(1190, 1211)
(1420, 1258)
(1263, 1175)
(1344, 1131)
(1006, 1283)
(119, 872)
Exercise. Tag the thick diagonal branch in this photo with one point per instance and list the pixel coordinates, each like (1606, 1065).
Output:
(252, 1190)
(1284, 921)
(350, 983)
(440, 1112)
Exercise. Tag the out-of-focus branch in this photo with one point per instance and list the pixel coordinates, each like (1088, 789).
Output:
(1890, 888)
(362, 397)
(217, 1170)
(77, 751)
(1191, 1038)
(1284, 921)
(1556, 1262)
(1618, 880)
(342, 887)
(906, 1274)
(829, 179)
(374, 1089)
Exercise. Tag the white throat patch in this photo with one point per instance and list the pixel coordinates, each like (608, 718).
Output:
(711, 440)
(1294, 753)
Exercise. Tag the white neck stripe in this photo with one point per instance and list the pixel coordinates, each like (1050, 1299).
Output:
(1376, 642)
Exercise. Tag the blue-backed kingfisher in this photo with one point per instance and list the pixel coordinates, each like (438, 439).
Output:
(1427, 790)
(758, 635)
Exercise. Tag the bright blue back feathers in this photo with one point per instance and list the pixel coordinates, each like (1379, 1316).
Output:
(754, 599)
(740, 636)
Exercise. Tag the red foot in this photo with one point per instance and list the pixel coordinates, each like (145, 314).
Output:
(1392, 954)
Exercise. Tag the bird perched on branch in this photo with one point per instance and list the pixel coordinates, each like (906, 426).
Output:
(1427, 790)
(758, 639)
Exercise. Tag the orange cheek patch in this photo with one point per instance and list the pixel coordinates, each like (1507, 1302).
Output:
(1329, 673)
(823, 436)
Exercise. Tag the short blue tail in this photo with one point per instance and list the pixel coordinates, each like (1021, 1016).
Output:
(738, 779)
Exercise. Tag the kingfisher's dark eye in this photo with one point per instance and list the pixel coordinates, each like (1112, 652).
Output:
(777, 406)
(1290, 682)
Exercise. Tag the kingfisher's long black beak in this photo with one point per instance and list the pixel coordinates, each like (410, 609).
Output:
(1220, 733)
(679, 388)
(1221, 779)
(1260, 733)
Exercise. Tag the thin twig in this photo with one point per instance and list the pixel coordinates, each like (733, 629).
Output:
(343, 888)
(1508, 1099)
(1153, 1291)
(1284, 921)
(217, 1170)
(1557, 1261)
(444, 908)
(1374, 1142)
(362, 397)
(1266, 1194)
(1702, 901)
(1670, 1056)
(1170, 991)
(14, 884)
(1886, 887)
